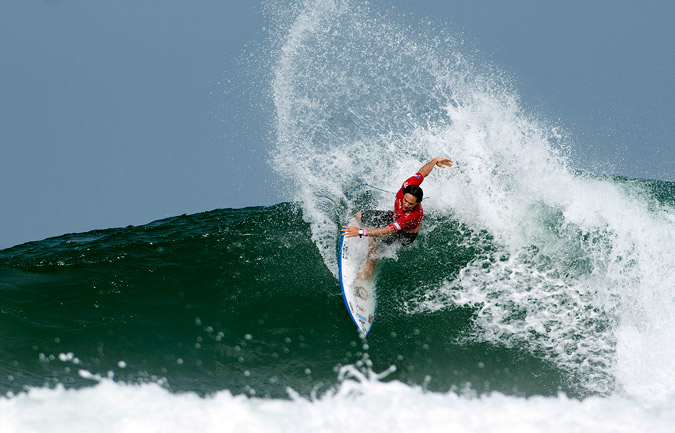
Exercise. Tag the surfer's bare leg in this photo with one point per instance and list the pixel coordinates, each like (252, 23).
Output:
(371, 261)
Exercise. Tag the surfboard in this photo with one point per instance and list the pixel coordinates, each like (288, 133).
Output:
(360, 296)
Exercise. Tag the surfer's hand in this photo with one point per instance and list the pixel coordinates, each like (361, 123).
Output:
(443, 162)
(350, 231)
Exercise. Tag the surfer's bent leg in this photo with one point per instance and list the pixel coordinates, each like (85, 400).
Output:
(371, 261)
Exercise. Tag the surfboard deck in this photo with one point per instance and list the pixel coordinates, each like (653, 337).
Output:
(360, 296)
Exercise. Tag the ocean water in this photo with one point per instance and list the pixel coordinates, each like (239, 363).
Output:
(537, 297)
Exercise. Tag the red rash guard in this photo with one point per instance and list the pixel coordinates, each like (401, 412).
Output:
(407, 221)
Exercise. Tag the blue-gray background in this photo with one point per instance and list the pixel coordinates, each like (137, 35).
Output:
(119, 113)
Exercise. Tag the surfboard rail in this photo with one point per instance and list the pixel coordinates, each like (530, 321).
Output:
(360, 299)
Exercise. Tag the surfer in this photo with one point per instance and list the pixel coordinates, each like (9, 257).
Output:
(403, 223)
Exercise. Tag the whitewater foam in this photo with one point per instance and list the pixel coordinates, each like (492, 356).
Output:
(371, 404)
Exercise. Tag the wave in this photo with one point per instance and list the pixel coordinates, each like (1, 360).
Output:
(240, 299)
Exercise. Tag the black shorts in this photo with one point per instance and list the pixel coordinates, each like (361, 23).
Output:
(382, 218)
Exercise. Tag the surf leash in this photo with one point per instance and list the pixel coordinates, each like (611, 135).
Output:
(349, 195)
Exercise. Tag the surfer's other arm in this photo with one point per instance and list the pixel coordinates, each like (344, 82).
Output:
(436, 162)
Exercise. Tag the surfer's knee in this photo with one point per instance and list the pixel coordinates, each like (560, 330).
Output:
(358, 215)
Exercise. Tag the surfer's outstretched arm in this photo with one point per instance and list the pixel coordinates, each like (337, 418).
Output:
(352, 231)
(440, 162)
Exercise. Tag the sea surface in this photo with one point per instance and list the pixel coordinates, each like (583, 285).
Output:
(230, 320)
(537, 297)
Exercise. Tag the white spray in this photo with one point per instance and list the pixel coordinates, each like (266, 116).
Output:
(582, 270)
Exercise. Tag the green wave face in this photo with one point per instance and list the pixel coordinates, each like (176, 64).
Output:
(238, 300)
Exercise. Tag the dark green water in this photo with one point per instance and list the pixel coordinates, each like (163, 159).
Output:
(240, 299)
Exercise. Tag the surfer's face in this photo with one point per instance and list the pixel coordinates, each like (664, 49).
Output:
(409, 202)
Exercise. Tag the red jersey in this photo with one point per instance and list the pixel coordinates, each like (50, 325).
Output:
(407, 220)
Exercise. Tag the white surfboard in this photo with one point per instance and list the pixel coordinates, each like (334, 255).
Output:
(359, 295)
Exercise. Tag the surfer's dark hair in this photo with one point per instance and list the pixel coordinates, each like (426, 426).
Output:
(414, 190)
